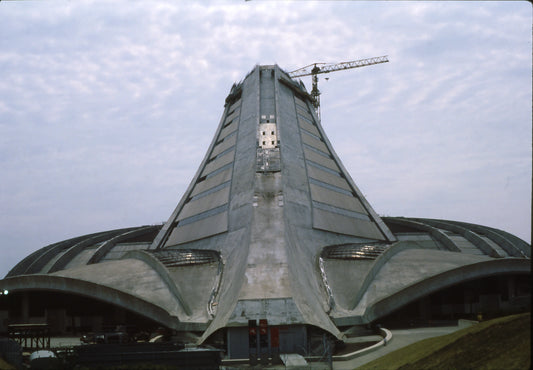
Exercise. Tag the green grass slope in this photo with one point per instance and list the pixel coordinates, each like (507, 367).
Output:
(503, 343)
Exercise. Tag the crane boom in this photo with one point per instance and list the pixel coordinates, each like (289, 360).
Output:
(331, 67)
(318, 68)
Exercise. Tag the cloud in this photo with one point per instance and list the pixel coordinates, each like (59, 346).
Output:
(107, 109)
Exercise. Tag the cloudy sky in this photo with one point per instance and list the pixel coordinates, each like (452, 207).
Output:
(107, 108)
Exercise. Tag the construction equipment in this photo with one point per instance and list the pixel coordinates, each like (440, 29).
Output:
(318, 68)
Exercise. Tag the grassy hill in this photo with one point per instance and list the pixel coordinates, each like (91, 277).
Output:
(502, 343)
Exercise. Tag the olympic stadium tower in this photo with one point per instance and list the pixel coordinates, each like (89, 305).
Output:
(272, 233)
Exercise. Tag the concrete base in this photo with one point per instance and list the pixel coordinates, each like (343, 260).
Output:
(293, 360)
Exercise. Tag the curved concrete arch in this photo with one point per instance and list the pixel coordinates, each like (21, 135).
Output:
(469, 235)
(34, 263)
(433, 231)
(23, 266)
(102, 250)
(520, 244)
(157, 266)
(511, 244)
(74, 250)
(444, 280)
(378, 264)
(40, 262)
(92, 290)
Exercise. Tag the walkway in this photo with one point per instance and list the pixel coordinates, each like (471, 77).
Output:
(400, 339)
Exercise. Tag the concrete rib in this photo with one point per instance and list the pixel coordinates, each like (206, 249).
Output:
(102, 250)
(163, 273)
(63, 261)
(434, 232)
(512, 245)
(467, 234)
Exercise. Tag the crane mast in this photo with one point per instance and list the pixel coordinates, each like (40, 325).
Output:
(315, 69)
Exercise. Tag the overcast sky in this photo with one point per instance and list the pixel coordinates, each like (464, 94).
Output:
(107, 108)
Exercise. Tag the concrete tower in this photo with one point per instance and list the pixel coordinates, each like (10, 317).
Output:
(273, 231)
(270, 194)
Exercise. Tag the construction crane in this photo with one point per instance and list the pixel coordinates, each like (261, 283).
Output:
(316, 68)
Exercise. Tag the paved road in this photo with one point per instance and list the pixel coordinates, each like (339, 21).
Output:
(400, 338)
